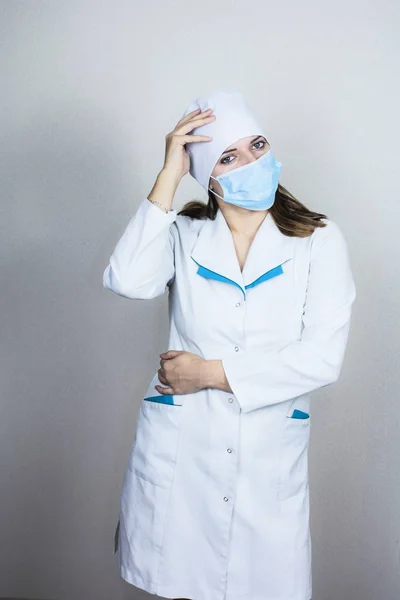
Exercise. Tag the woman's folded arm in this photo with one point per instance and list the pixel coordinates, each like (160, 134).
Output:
(259, 379)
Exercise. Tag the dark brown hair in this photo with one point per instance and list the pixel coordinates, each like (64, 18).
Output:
(291, 216)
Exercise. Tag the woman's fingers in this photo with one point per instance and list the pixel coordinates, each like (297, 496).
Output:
(196, 138)
(192, 115)
(164, 390)
(188, 117)
(192, 124)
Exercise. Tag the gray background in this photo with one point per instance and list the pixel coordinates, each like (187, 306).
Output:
(89, 90)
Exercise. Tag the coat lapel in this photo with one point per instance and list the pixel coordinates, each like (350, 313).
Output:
(268, 252)
(215, 254)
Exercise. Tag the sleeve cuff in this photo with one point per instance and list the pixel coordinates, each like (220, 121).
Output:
(157, 212)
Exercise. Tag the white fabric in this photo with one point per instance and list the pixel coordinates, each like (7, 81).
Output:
(215, 499)
(234, 121)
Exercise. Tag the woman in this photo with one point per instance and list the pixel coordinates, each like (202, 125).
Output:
(215, 499)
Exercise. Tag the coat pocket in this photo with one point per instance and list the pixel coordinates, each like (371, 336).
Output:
(299, 414)
(155, 447)
(293, 462)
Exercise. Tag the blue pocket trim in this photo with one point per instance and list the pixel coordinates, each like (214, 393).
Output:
(299, 414)
(163, 399)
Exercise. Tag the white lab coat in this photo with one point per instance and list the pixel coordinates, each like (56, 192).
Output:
(215, 498)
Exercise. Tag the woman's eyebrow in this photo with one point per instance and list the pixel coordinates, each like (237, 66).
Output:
(252, 142)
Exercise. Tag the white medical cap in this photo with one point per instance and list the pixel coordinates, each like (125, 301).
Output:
(234, 121)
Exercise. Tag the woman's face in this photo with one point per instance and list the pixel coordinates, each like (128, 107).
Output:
(240, 153)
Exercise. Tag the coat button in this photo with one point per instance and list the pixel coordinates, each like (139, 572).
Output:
(237, 304)
(236, 349)
(229, 450)
(226, 499)
(230, 399)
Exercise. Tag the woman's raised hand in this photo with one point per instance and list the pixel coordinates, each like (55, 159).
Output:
(177, 160)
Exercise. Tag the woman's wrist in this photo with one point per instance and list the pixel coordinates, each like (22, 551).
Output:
(214, 376)
(163, 191)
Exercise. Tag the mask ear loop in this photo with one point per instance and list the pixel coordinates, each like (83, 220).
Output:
(216, 194)
(213, 190)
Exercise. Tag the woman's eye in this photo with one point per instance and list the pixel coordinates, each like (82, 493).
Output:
(227, 162)
(224, 161)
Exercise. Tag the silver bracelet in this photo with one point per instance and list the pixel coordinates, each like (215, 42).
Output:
(158, 204)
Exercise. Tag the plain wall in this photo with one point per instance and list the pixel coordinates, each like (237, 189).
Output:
(88, 91)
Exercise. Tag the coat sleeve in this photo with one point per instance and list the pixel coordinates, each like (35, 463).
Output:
(314, 361)
(142, 263)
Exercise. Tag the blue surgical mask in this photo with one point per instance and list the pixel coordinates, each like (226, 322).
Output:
(253, 185)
